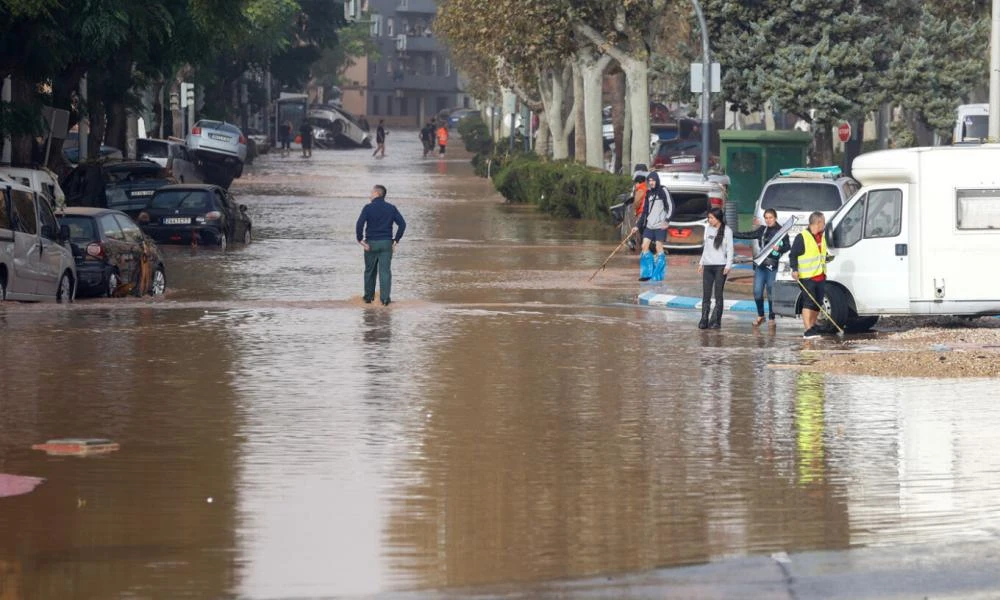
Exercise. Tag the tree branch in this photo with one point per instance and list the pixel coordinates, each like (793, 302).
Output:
(602, 43)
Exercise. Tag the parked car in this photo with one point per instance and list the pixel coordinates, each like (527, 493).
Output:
(460, 114)
(172, 155)
(799, 192)
(681, 155)
(35, 260)
(72, 154)
(692, 197)
(196, 214)
(121, 185)
(41, 181)
(217, 142)
(113, 257)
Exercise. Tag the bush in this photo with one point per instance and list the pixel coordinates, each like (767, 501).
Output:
(564, 189)
(475, 134)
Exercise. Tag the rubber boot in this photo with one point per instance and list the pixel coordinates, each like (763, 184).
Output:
(645, 266)
(659, 267)
(703, 323)
(716, 321)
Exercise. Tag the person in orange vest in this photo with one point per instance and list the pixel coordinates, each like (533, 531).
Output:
(442, 138)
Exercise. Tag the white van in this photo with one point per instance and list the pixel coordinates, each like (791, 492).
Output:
(42, 181)
(920, 238)
(692, 196)
(972, 124)
(36, 262)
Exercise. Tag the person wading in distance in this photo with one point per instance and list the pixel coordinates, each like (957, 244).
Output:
(374, 233)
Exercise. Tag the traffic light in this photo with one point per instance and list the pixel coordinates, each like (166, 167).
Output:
(187, 95)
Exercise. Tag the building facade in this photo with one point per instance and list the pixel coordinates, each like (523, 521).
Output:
(413, 78)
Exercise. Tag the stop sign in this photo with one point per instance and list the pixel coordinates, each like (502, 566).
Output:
(844, 132)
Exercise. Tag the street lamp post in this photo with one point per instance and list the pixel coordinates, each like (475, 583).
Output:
(706, 85)
(994, 123)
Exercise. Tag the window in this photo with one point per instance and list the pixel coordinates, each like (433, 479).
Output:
(24, 212)
(50, 227)
(130, 229)
(388, 105)
(801, 197)
(977, 209)
(376, 30)
(848, 231)
(110, 229)
(4, 214)
(442, 103)
(375, 108)
(447, 67)
(81, 229)
(390, 27)
(151, 148)
(433, 69)
(402, 107)
(885, 214)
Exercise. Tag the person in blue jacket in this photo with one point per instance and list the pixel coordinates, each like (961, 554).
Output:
(374, 233)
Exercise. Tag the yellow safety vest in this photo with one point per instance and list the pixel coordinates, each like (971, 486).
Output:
(813, 260)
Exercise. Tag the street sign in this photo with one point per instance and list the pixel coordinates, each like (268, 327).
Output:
(844, 131)
(715, 81)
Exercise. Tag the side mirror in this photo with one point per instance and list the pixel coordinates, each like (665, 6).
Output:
(243, 207)
(63, 233)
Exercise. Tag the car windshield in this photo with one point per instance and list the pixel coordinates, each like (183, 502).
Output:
(209, 124)
(81, 229)
(975, 127)
(801, 197)
(152, 148)
(139, 173)
(198, 200)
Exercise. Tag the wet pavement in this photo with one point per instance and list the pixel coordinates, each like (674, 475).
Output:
(505, 428)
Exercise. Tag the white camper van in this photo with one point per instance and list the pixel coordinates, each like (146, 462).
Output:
(921, 237)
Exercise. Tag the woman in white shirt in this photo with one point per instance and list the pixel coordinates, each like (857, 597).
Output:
(714, 266)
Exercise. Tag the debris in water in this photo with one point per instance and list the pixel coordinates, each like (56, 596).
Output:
(15, 485)
(76, 446)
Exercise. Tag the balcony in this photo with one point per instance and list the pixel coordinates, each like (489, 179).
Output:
(426, 7)
(416, 43)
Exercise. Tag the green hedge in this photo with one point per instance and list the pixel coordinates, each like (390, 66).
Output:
(475, 134)
(564, 189)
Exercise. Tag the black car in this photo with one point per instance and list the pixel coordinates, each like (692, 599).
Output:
(113, 257)
(196, 214)
(123, 185)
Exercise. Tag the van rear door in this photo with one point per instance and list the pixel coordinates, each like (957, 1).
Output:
(869, 241)
(27, 245)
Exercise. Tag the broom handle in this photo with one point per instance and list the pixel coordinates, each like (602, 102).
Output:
(823, 310)
(613, 252)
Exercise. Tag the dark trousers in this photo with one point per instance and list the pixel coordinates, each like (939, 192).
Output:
(712, 282)
(378, 259)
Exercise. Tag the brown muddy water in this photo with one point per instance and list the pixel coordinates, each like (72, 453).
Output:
(503, 422)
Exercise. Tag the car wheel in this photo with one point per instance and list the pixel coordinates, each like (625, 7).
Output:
(159, 285)
(239, 171)
(223, 241)
(64, 293)
(247, 237)
(835, 302)
(113, 283)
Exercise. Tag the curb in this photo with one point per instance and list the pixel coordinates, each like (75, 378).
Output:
(691, 303)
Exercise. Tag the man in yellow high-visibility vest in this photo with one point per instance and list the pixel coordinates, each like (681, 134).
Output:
(808, 261)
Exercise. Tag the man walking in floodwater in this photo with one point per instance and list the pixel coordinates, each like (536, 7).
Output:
(374, 232)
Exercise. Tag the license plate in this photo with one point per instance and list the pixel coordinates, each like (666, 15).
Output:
(679, 233)
(221, 138)
(176, 220)
(139, 193)
(683, 160)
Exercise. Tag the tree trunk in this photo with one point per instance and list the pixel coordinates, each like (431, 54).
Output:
(117, 128)
(98, 122)
(22, 95)
(627, 138)
(542, 138)
(553, 86)
(823, 141)
(618, 117)
(637, 92)
(593, 74)
(579, 127)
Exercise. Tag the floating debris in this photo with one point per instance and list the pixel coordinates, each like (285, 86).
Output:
(16, 485)
(76, 446)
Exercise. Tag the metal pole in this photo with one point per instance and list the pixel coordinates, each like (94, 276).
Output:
(84, 128)
(994, 132)
(706, 86)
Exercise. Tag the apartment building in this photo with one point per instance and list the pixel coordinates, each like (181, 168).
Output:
(413, 78)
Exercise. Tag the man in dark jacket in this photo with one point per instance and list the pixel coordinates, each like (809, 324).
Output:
(374, 232)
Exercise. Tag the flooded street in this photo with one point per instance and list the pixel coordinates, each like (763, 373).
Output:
(504, 422)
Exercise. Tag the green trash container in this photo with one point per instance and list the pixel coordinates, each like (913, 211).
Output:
(751, 157)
